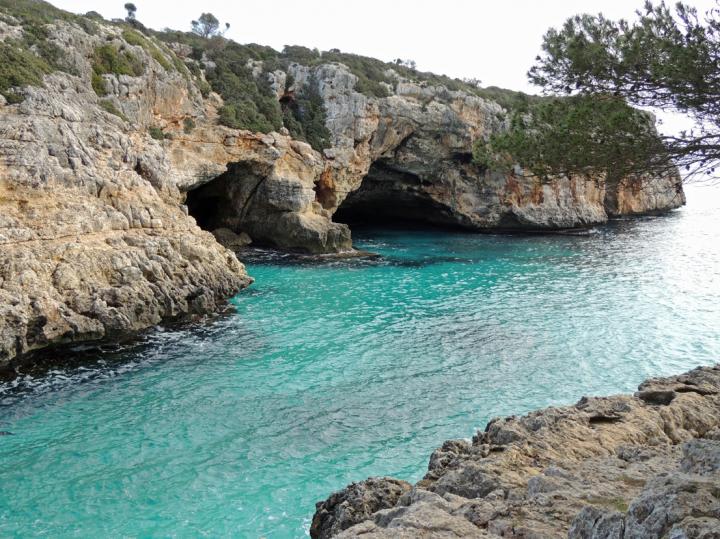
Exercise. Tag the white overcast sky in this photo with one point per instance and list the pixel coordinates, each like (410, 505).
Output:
(495, 41)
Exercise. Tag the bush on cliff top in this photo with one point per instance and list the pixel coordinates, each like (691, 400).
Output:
(373, 75)
(35, 13)
(27, 59)
(19, 67)
(249, 101)
(238, 72)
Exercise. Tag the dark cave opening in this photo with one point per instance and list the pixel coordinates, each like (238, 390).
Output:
(208, 203)
(223, 201)
(391, 196)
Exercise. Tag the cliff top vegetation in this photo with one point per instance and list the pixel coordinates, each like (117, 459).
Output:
(237, 72)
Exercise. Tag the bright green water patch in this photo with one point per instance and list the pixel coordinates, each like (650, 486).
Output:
(330, 373)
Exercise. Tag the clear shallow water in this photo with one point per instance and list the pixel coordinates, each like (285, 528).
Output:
(328, 373)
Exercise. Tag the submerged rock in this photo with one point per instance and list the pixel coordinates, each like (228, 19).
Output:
(605, 468)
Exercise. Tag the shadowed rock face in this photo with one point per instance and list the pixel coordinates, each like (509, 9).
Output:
(356, 503)
(390, 195)
(99, 221)
(614, 467)
(275, 211)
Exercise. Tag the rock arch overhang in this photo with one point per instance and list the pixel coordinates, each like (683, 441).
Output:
(392, 195)
(285, 194)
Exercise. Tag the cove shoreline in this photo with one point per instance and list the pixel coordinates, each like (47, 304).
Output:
(642, 465)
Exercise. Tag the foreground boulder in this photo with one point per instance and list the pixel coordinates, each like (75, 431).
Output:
(606, 468)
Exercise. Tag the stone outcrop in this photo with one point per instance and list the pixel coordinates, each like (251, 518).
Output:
(409, 156)
(94, 237)
(356, 503)
(101, 195)
(643, 466)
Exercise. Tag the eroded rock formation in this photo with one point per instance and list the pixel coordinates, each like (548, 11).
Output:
(94, 237)
(643, 466)
(104, 179)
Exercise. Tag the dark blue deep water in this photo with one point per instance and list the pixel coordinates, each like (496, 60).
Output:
(329, 372)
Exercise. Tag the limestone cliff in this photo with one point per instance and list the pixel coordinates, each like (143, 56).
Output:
(643, 466)
(110, 162)
(409, 157)
(94, 238)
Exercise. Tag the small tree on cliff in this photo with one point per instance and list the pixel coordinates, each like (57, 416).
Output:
(131, 11)
(668, 59)
(410, 64)
(208, 25)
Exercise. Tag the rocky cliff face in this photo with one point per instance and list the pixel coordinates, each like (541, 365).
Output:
(94, 236)
(643, 466)
(99, 219)
(409, 157)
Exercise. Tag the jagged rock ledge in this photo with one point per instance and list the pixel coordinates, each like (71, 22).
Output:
(643, 466)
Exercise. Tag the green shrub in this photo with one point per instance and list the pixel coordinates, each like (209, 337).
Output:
(244, 115)
(249, 101)
(98, 84)
(188, 125)
(136, 38)
(194, 70)
(204, 87)
(301, 55)
(36, 38)
(157, 133)
(180, 66)
(109, 59)
(109, 106)
(369, 71)
(19, 67)
(38, 13)
(35, 11)
(26, 60)
(305, 117)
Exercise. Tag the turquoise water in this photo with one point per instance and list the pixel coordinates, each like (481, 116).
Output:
(332, 372)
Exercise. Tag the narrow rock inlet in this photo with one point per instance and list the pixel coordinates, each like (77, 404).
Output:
(642, 466)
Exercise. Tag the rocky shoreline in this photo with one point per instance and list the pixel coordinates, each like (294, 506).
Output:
(112, 182)
(642, 466)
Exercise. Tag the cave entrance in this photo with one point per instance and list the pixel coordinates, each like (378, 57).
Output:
(224, 201)
(391, 196)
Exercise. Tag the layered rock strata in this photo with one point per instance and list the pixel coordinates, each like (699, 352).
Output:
(643, 466)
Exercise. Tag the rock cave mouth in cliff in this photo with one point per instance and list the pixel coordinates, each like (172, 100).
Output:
(392, 197)
(225, 201)
(207, 202)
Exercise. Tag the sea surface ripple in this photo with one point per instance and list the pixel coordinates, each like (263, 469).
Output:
(330, 371)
